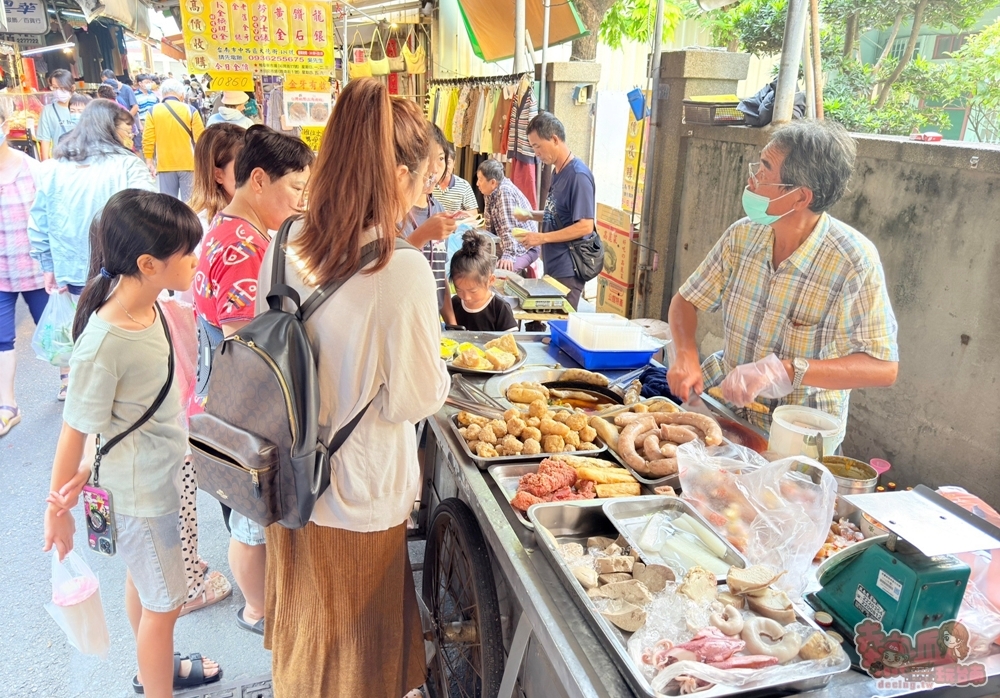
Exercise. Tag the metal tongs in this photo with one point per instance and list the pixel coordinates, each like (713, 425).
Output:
(476, 396)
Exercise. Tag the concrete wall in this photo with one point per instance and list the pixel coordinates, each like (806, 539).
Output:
(933, 211)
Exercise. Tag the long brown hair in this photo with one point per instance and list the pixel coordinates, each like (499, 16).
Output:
(353, 187)
(218, 146)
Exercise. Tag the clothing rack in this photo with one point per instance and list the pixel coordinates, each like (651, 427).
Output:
(482, 80)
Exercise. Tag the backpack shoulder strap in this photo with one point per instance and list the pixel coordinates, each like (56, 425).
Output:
(279, 289)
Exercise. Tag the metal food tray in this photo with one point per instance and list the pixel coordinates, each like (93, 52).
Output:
(507, 478)
(521, 358)
(484, 463)
(618, 510)
(558, 523)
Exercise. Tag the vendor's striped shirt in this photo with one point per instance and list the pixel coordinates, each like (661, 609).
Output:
(457, 197)
(826, 301)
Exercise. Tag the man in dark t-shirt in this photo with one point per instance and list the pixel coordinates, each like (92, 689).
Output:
(570, 208)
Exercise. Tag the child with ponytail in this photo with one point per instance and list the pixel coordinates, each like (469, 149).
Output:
(476, 306)
(141, 244)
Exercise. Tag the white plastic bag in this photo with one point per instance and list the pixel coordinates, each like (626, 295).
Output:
(76, 604)
(777, 514)
(53, 340)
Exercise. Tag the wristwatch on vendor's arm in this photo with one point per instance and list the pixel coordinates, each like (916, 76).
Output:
(800, 366)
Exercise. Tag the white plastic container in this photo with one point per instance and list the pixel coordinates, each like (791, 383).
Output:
(794, 427)
(606, 332)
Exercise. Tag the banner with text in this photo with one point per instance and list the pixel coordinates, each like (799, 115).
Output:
(285, 37)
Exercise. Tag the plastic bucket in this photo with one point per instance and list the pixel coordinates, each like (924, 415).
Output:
(794, 429)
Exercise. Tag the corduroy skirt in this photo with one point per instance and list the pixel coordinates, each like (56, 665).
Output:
(341, 614)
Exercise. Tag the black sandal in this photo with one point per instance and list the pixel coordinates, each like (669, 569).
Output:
(196, 677)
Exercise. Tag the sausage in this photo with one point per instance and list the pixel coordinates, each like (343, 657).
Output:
(711, 428)
(778, 644)
(580, 375)
(730, 621)
(677, 434)
(606, 432)
(640, 438)
(661, 468)
(633, 392)
(668, 449)
(626, 444)
(651, 446)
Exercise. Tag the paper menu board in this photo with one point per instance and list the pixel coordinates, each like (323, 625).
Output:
(283, 37)
(306, 108)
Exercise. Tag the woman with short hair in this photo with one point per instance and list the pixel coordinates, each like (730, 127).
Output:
(55, 120)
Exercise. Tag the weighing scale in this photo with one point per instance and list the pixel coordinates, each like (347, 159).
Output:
(910, 579)
(536, 294)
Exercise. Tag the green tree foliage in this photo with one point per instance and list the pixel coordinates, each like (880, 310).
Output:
(632, 20)
(972, 79)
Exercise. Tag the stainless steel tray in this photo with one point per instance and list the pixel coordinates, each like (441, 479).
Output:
(625, 512)
(507, 477)
(522, 356)
(484, 463)
(558, 523)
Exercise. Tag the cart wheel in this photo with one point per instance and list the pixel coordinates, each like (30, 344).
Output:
(462, 599)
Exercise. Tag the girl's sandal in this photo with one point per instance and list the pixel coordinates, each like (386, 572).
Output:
(216, 588)
(7, 423)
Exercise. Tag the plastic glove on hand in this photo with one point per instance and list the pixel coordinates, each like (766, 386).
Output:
(765, 378)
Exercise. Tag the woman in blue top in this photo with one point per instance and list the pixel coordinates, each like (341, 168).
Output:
(91, 164)
(55, 119)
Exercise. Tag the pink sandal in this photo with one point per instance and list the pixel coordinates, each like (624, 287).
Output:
(8, 423)
(216, 589)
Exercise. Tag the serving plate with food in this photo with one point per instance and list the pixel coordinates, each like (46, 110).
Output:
(674, 634)
(532, 434)
(572, 387)
(561, 478)
(493, 358)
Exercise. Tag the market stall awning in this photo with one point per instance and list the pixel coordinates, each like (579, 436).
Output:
(490, 24)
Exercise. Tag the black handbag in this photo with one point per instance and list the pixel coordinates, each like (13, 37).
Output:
(587, 254)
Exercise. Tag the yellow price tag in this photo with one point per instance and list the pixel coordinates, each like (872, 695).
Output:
(236, 82)
(312, 136)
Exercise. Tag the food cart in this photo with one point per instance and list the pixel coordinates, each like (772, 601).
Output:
(500, 615)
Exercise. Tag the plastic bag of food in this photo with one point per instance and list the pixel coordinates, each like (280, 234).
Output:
(184, 333)
(776, 514)
(76, 604)
(53, 339)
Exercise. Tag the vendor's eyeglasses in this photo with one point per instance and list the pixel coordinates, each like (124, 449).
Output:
(754, 168)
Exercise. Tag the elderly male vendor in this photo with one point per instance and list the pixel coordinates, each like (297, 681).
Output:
(805, 311)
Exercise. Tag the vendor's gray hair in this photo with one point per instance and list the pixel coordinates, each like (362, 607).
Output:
(172, 86)
(819, 155)
(546, 126)
(492, 171)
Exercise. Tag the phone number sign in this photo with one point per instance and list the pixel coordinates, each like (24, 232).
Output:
(284, 37)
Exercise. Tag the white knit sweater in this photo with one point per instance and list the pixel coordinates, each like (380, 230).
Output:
(377, 337)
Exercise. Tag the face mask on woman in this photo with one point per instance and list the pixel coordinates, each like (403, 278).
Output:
(62, 95)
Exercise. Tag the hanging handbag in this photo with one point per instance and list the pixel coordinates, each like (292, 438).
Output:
(416, 61)
(396, 62)
(380, 66)
(358, 66)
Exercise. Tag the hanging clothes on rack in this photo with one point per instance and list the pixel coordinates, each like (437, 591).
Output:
(519, 150)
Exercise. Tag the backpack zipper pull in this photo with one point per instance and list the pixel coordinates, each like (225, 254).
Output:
(256, 484)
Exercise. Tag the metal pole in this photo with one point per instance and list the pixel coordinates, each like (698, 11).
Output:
(817, 61)
(543, 100)
(519, 62)
(343, 68)
(645, 234)
(791, 55)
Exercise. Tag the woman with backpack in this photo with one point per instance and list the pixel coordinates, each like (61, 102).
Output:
(342, 616)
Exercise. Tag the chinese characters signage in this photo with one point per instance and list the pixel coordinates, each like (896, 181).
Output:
(26, 16)
(286, 37)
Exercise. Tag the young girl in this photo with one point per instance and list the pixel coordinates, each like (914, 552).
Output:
(476, 307)
(142, 244)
